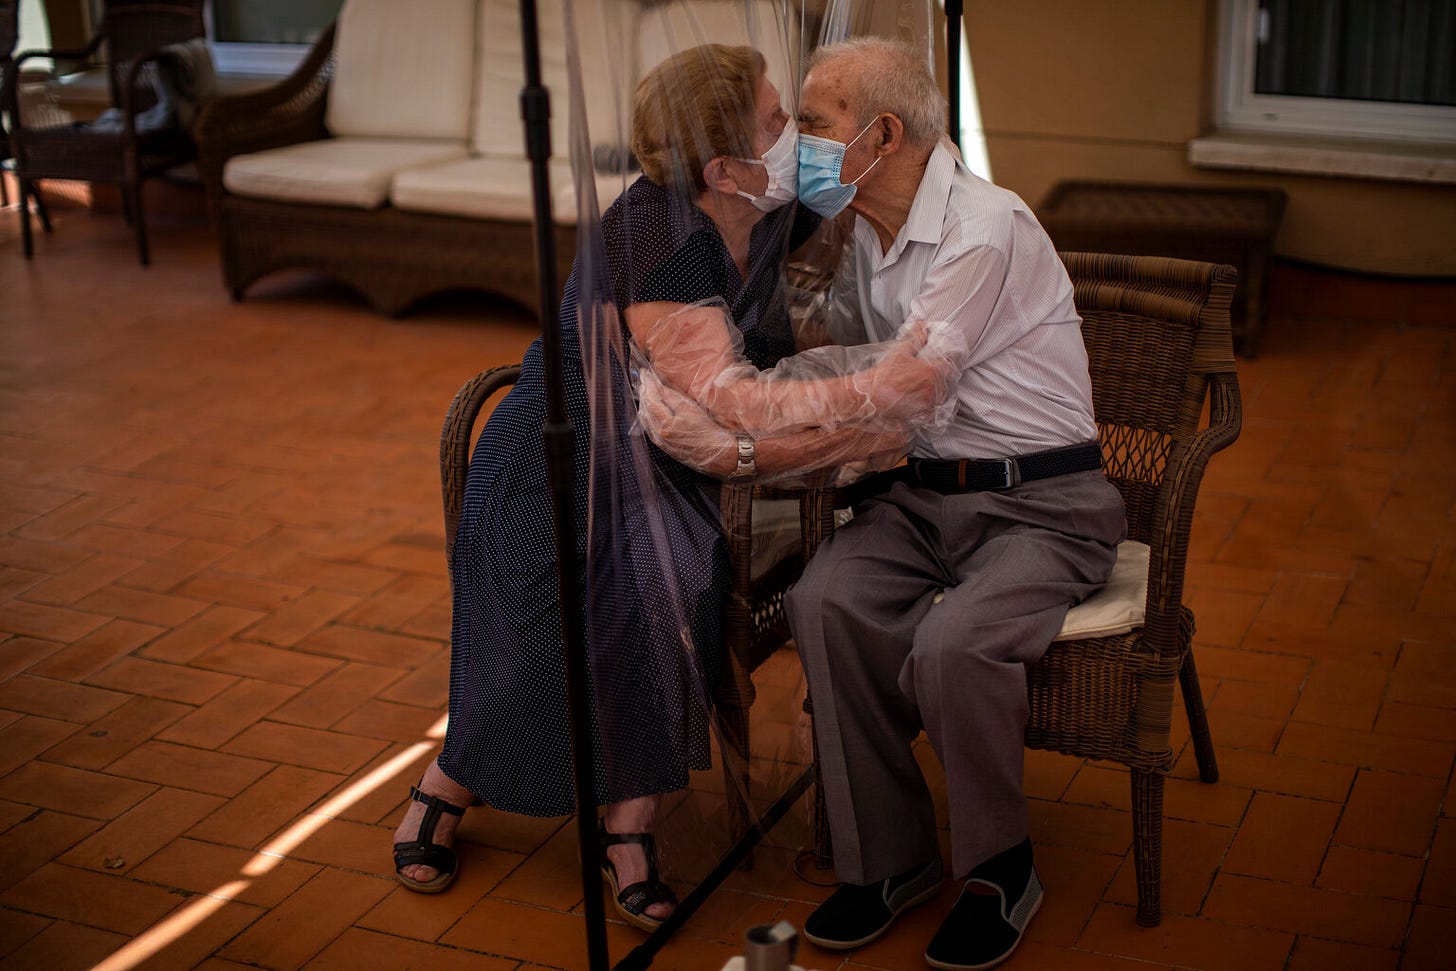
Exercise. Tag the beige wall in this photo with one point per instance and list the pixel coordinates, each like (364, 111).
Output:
(1116, 88)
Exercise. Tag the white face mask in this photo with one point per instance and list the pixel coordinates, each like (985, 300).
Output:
(781, 163)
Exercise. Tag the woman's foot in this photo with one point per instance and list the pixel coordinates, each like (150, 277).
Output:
(425, 861)
(626, 833)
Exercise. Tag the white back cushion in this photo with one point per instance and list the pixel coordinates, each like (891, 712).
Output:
(501, 73)
(403, 69)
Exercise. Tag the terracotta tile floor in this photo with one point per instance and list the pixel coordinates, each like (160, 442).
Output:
(222, 648)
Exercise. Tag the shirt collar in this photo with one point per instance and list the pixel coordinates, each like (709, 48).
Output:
(927, 213)
(926, 221)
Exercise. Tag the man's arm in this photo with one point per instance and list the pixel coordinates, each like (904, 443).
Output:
(692, 348)
(964, 290)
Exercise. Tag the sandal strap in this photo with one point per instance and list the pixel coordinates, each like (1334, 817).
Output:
(617, 839)
(649, 850)
(441, 858)
(435, 802)
(434, 806)
(643, 894)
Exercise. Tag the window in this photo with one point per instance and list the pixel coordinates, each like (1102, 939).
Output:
(1383, 69)
(266, 36)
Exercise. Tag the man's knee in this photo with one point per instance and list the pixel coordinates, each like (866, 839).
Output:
(966, 639)
(817, 589)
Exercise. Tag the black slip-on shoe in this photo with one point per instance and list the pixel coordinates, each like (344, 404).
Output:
(982, 929)
(856, 914)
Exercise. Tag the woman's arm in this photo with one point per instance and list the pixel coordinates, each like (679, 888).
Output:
(683, 429)
(695, 349)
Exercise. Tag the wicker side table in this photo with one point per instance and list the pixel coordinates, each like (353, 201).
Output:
(1192, 222)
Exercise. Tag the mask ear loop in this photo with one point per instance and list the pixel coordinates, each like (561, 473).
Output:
(750, 161)
(856, 138)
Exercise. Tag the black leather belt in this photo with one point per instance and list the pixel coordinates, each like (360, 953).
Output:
(970, 475)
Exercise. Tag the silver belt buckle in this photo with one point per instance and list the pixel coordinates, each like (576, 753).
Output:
(1012, 473)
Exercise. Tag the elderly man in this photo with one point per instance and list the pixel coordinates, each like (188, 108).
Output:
(923, 611)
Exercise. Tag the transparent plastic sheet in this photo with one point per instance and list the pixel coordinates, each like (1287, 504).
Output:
(709, 293)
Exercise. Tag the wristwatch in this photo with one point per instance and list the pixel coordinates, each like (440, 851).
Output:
(745, 467)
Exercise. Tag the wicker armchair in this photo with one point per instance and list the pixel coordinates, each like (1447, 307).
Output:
(133, 34)
(1160, 350)
(9, 34)
(754, 622)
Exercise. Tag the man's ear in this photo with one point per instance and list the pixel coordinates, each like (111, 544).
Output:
(889, 134)
(717, 177)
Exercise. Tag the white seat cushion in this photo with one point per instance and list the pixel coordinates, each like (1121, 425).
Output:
(1118, 607)
(609, 186)
(483, 188)
(334, 171)
(404, 70)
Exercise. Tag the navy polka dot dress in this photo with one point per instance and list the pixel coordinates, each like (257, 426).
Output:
(653, 619)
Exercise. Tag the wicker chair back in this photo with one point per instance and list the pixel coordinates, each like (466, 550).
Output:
(133, 29)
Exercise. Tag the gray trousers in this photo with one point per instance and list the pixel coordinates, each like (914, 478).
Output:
(884, 659)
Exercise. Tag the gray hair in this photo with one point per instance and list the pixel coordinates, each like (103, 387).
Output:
(890, 76)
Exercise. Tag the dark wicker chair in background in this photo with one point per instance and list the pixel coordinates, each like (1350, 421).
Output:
(754, 620)
(132, 34)
(1160, 349)
(9, 34)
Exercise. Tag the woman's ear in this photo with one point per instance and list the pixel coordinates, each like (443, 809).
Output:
(717, 177)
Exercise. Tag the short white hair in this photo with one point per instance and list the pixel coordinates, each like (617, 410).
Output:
(890, 76)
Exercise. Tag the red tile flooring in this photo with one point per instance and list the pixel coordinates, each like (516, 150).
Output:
(223, 625)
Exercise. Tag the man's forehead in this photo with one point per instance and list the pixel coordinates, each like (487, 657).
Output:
(823, 95)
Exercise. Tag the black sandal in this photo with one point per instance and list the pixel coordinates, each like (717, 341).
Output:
(422, 852)
(632, 901)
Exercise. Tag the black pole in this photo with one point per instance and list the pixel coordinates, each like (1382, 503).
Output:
(953, 9)
(556, 435)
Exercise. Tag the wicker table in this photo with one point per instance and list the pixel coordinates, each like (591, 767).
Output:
(1209, 223)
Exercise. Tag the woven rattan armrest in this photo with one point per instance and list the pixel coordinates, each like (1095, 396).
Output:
(10, 83)
(64, 54)
(1168, 555)
(285, 113)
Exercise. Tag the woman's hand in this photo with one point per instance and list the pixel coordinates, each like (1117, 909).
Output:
(683, 429)
(904, 385)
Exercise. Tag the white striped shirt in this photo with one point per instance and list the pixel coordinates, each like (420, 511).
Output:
(973, 254)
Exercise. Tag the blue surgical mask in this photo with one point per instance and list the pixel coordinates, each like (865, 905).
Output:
(820, 162)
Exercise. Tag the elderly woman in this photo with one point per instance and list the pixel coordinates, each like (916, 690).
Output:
(693, 253)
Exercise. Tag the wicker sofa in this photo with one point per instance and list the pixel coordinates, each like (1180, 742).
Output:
(393, 158)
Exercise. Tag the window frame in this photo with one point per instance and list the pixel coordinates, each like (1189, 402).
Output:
(1239, 108)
